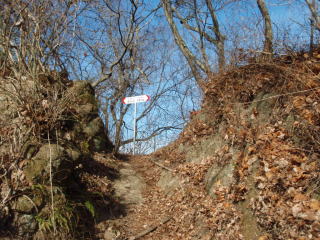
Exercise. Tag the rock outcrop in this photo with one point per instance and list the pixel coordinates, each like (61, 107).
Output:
(48, 128)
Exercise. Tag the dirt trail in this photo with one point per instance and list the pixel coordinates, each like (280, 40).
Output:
(161, 203)
(138, 191)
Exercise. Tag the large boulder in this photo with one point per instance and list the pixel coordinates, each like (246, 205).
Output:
(87, 129)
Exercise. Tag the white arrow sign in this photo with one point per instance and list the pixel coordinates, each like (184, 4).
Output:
(136, 99)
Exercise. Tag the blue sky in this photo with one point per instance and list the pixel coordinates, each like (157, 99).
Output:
(291, 14)
(242, 20)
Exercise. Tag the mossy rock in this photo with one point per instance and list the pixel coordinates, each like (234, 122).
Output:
(81, 87)
(85, 147)
(83, 92)
(26, 225)
(87, 111)
(73, 153)
(86, 104)
(220, 176)
(38, 168)
(168, 182)
(266, 106)
(94, 127)
(250, 227)
(29, 204)
(98, 144)
(86, 98)
(63, 214)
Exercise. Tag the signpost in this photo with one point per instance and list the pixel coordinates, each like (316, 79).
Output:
(135, 100)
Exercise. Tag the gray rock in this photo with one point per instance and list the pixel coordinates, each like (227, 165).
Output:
(129, 186)
(73, 153)
(26, 225)
(94, 127)
(38, 168)
(168, 182)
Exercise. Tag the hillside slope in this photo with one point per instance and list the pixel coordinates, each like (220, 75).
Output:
(247, 164)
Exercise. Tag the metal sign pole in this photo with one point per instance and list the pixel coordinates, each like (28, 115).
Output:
(134, 128)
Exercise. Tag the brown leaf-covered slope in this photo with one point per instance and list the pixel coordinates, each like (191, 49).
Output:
(247, 164)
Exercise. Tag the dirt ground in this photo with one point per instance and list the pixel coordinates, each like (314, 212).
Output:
(138, 191)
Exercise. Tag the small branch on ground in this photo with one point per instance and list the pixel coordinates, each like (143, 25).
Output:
(150, 229)
(162, 166)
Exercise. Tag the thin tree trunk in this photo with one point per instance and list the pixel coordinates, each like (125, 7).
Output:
(221, 56)
(268, 33)
(314, 13)
(191, 59)
(117, 141)
(220, 38)
(312, 27)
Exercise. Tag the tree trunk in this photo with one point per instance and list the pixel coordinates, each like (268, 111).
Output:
(191, 59)
(117, 139)
(221, 56)
(220, 38)
(268, 34)
(314, 13)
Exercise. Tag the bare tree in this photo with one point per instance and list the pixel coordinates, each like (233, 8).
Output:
(199, 17)
(33, 33)
(219, 37)
(194, 63)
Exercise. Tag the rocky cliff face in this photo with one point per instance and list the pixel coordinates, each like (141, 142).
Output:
(50, 129)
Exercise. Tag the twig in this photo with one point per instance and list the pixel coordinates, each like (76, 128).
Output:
(277, 96)
(32, 202)
(51, 187)
(150, 229)
(170, 170)
(4, 201)
(160, 165)
(5, 172)
(107, 185)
